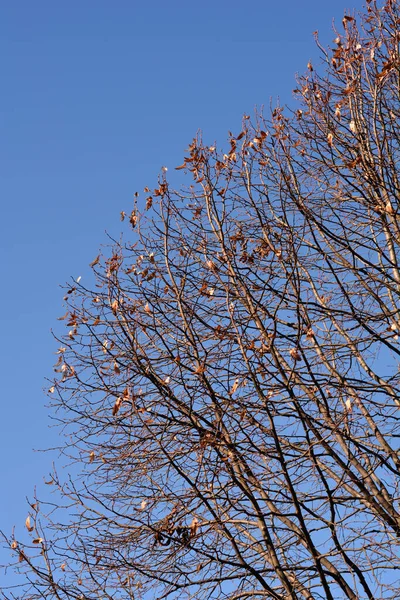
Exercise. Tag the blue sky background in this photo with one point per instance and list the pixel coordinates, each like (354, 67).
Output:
(95, 97)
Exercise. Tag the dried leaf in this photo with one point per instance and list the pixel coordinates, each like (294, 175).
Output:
(38, 540)
(234, 387)
(346, 19)
(330, 138)
(389, 208)
(91, 456)
(117, 406)
(96, 261)
(295, 354)
(194, 527)
(123, 215)
(14, 544)
(28, 523)
(133, 219)
(352, 126)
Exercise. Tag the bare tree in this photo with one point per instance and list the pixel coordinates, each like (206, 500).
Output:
(228, 390)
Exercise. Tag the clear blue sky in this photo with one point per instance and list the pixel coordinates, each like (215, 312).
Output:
(95, 97)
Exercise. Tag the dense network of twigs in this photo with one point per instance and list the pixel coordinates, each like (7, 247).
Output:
(229, 390)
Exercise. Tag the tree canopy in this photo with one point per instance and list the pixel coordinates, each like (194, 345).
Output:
(229, 389)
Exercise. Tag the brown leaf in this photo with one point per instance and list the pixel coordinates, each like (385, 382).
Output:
(389, 208)
(91, 456)
(114, 306)
(234, 387)
(63, 317)
(123, 214)
(95, 262)
(14, 544)
(117, 406)
(346, 19)
(183, 166)
(194, 527)
(28, 523)
(38, 540)
(133, 219)
(295, 354)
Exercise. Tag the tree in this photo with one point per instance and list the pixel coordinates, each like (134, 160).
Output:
(229, 388)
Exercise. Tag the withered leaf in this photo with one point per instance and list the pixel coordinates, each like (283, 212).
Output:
(64, 316)
(116, 406)
(95, 261)
(295, 354)
(28, 523)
